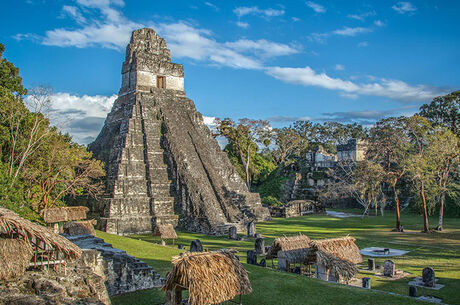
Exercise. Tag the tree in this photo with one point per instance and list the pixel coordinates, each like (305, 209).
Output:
(419, 165)
(444, 111)
(289, 143)
(244, 138)
(361, 181)
(443, 153)
(388, 146)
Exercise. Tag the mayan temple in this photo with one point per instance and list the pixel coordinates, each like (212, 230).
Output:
(163, 164)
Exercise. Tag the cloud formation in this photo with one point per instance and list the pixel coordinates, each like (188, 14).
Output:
(347, 31)
(404, 7)
(254, 10)
(394, 89)
(81, 116)
(318, 8)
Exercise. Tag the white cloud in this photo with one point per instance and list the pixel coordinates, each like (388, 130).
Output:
(339, 67)
(243, 25)
(362, 16)
(212, 6)
(363, 44)
(394, 89)
(81, 116)
(403, 7)
(262, 47)
(379, 23)
(318, 8)
(295, 19)
(254, 10)
(74, 13)
(347, 31)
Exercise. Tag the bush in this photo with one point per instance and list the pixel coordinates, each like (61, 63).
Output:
(271, 201)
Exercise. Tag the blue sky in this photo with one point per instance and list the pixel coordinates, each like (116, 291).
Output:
(350, 61)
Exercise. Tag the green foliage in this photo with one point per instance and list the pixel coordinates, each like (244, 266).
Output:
(38, 164)
(444, 111)
(272, 185)
(272, 201)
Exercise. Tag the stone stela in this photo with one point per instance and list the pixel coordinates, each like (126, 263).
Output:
(163, 164)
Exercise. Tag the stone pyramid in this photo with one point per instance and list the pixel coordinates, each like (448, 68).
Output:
(163, 164)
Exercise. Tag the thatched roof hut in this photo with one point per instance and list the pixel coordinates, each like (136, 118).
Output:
(295, 248)
(343, 248)
(63, 214)
(14, 226)
(165, 231)
(338, 255)
(15, 255)
(210, 277)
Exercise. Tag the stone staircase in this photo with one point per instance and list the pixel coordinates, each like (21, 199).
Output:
(124, 273)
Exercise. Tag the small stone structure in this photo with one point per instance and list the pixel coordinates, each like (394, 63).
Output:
(251, 257)
(389, 268)
(298, 208)
(123, 273)
(232, 233)
(428, 277)
(353, 150)
(196, 246)
(366, 282)
(259, 246)
(413, 291)
(371, 264)
(162, 162)
(251, 229)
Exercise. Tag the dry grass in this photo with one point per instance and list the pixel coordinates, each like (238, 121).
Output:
(210, 277)
(295, 247)
(63, 214)
(343, 248)
(165, 231)
(15, 255)
(12, 225)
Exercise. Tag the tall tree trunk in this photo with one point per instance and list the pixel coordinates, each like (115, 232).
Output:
(398, 212)
(441, 212)
(426, 226)
(248, 180)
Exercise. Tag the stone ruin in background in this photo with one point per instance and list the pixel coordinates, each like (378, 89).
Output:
(163, 164)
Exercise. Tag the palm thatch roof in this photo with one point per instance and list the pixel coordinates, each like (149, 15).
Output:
(15, 255)
(210, 277)
(295, 248)
(165, 231)
(82, 227)
(343, 248)
(342, 269)
(12, 225)
(63, 214)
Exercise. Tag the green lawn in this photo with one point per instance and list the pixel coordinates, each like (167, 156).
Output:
(438, 250)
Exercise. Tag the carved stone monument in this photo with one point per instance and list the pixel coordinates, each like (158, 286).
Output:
(428, 277)
(163, 164)
(196, 246)
(251, 229)
(389, 268)
(232, 233)
(259, 246)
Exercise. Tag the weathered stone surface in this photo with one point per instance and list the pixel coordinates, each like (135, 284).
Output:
(162, 161)
(263, 263)
(428, 277)
(196, 246)
(366, 281)
(251, 257)
(80, 282)
(251, 229)
(371, 264)
(123, 273)
(413, 291)
(259, 246)
(232, 233)
(389, 268)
